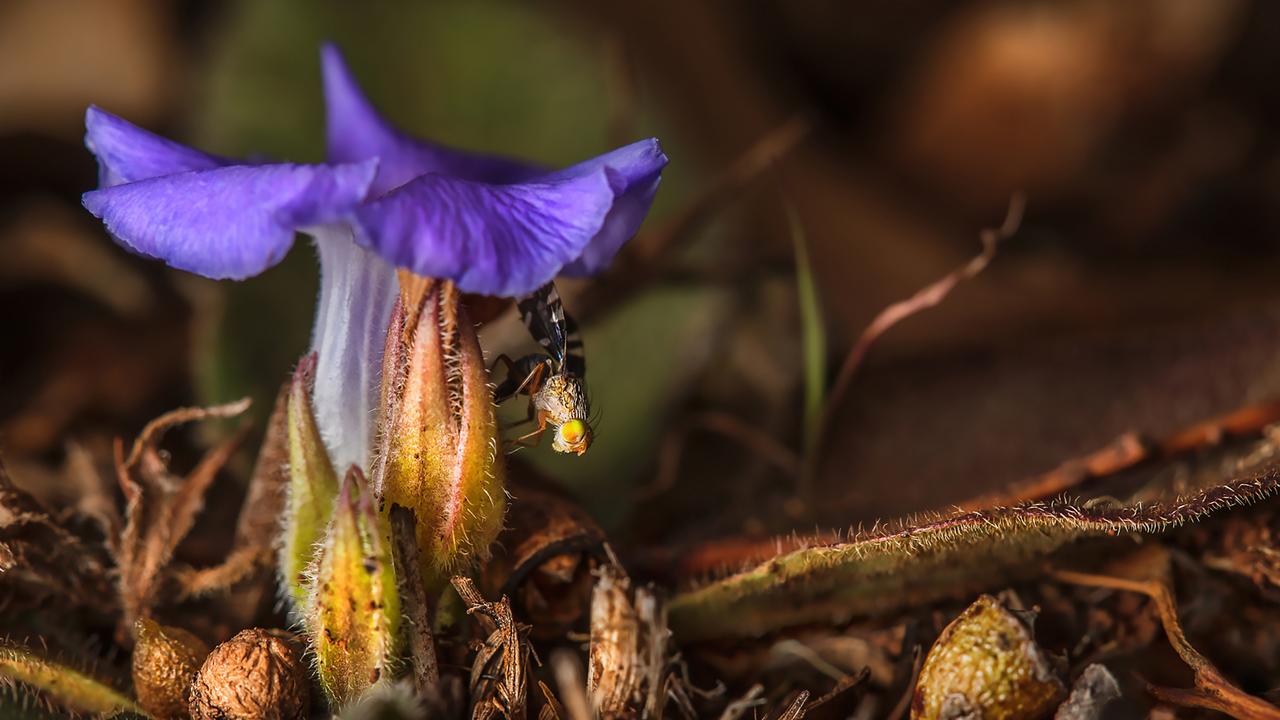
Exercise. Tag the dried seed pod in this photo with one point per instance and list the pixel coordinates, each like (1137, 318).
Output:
(255, 675)
(165, 661)
(987, 665)
(614, 675)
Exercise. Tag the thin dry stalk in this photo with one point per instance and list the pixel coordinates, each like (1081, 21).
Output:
(413, 601)
(797, 708)
(568, 673)
(927, 297)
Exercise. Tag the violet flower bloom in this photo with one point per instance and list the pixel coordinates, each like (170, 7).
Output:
(492, 225)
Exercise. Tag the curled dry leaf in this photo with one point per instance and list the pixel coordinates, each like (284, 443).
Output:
(498, 673)
(940, 557)
(542, 526)
(165, 661)
(161, 508)
(986, 664)
(255, 675)
(549, 544)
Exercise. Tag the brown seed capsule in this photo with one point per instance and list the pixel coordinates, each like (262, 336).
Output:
(253, 676)
(986, 665)
(165, 660)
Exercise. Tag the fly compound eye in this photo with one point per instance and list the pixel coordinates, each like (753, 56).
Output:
(573, 432)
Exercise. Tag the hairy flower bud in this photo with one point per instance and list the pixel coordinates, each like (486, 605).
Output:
(986, 664)
(312, 486)
(256, 675)
(438, 453)
(165, 661)
(353, 616)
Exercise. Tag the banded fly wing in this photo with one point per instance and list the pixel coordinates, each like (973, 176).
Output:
(543, 316)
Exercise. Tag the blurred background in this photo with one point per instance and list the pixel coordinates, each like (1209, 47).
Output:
(1139, 294)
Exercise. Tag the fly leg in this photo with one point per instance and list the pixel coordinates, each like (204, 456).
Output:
(518, 376)
(531, 439)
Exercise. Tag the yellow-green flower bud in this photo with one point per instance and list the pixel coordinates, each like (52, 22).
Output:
(438, 453)
(312, 486)
(353, 616)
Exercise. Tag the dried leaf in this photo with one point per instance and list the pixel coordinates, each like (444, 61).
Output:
(257, 527)
(550, 546)
(160, 507)
(927, 297)
(498, 671)
(941, 557)
(42, 562)
(796, 710)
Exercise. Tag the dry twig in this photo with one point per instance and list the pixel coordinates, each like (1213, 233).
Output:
(1212, 689)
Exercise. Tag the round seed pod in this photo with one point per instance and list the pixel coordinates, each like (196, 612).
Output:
(986, 665)
(165, 660)
(255, 675)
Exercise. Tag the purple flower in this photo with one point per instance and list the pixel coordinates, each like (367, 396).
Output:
(492, 225)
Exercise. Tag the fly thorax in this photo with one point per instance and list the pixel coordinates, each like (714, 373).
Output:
(563, 398)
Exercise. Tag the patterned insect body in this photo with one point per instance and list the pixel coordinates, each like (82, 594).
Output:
(554, 382)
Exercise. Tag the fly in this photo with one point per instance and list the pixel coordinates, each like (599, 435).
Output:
(553, 380)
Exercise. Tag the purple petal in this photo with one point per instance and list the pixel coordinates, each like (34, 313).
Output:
(489, 239)
(640, 165)
(510, 239)
(357, 290)
(228, 222)
(127, 153)
(357, 132)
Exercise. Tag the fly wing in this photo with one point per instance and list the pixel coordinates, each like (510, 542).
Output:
(554, 329)
(543, 315)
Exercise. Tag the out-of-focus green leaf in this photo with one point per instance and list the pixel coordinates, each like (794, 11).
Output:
(638, 358)
(813, 336)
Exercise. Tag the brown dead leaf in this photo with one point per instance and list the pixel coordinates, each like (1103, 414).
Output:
(160, 507)
(498, 673)
(42, 562)
(550, 546)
